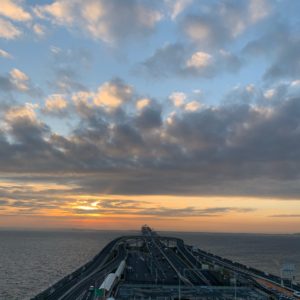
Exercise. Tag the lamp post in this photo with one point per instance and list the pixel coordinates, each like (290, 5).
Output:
(234, 286)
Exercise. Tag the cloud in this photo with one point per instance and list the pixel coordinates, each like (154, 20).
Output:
(26, 112)
(269, 94)
(199, 60)
(39, 30)
(149, 118)
(258, 9)
(13, 11)
(177, 60)
(19, 79)
(55, 104)
(191, 211)
(8, 30)
(287, 62)
(166, 60)
(26, 130)
(205, 30)
(5, 54)
(36, 198)
(27, 198)
(66, 57)
(66, 79)
(113, 94)
(192, 106)
(18, 75)
(176, 7)
(295, 83)
(28, 137)
(5, 83)
(244, 147)
(282, 58)
(120, 204)
(142, 103)
(109, 98)
(146, 208)
(286, 216)
(178, 98)
(215, 25)
(67, 74)
(110, 139)
(102, 20)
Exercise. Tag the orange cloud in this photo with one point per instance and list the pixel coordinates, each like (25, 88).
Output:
(13, 11)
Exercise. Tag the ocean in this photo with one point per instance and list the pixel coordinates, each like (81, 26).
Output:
(30, 261)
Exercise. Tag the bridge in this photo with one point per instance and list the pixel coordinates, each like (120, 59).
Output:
(150, 266)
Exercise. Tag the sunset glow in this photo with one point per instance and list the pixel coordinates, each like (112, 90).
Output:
(181, 114)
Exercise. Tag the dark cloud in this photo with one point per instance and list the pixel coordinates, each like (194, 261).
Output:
(113, 144)
(286, 216)
(110, 22)
(149, 118)
(9, 84)
(34, 205)
(29, 134)
(207, 29)
(30, 142)
(211, 180)
(237, 148)
(6, 84)
(213, 25)
(287, 63)
(279, 42)
(23, 193)
(178, 60)
(166, 60)
(266, 43)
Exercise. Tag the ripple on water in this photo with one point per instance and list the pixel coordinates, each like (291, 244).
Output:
(31, 261)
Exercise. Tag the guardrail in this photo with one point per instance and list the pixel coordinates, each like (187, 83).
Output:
(238, 267)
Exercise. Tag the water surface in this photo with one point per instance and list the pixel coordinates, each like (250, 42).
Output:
(30, 261)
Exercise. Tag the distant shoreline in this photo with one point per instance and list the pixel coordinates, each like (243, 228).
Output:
(7, 229)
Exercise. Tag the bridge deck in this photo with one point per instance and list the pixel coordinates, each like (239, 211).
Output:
(161, 266)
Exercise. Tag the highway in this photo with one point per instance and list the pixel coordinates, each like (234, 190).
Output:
(95, 267)
(159, 266)
(94, 278)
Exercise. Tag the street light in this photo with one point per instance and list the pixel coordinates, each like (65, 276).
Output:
(179, 288)
(234, 286)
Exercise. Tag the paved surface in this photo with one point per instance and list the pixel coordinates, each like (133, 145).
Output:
(160, 267)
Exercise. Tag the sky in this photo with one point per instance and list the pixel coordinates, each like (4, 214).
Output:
(182, 114)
